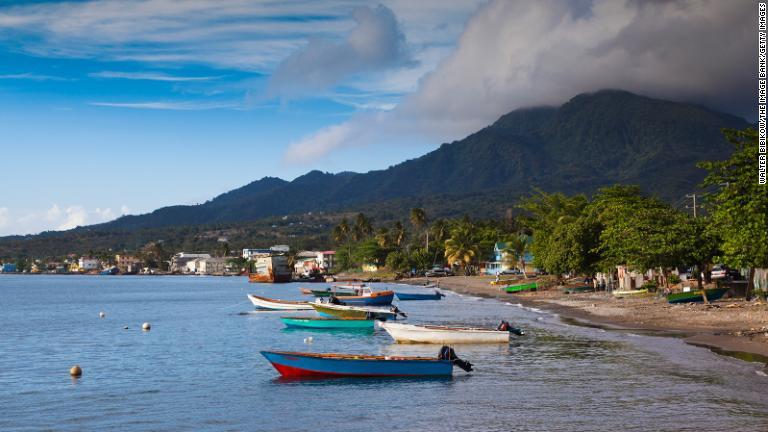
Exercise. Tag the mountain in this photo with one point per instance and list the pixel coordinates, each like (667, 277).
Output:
(593, 140)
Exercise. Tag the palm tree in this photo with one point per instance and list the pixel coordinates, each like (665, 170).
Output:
(462, 247)
(382, 237)
(438, 229)
(362, 228)
(515, 249)
(419, 220)
(342, 234)
(398, 234)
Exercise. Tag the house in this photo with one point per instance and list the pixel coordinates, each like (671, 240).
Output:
(9, 268)
(180, 260)
(127, 263)
(211, 265)
(501, 261)
(326, 260)
(88, 264)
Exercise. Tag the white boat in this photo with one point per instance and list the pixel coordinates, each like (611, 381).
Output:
(272, 304)
(432, 334)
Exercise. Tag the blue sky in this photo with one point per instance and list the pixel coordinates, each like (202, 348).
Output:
(110, 107)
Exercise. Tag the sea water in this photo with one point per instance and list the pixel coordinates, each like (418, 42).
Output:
(199, 367)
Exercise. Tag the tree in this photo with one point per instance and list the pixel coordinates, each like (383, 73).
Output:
(419, 220)
(362, 228)
(398, 234)
(515, 249)
(382, 237)
(342, 234)
(397, 261)
(462, 247)
(739, 206)
(439, 230)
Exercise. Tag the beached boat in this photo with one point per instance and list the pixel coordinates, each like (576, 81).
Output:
(531, 286)
(437, 295)
(334, 310)
(273, 304)
(318, 365)
(696, 296)
(379, 298)
(630, 293)
(328, 323)
(578, 289)
(433, 334)
(338, 291)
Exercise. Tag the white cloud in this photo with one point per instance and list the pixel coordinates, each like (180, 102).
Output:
(124, 210)
(32, 77)
(4, 218)
(375, 43)
(515, 54)
(56, 217)
(149, 76)
(168, 105)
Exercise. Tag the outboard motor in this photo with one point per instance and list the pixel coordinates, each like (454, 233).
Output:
(506, 326)
(447, 353)
(397, 311)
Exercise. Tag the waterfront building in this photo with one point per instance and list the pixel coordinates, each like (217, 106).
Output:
(9, 268)
(179, 261)
(211, 265)
(87, 264)
(326, 261)
(127, 263)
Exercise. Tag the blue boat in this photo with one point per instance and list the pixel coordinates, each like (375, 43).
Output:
(437, 295)
(110, 271)
(381, 298)
(318, 365)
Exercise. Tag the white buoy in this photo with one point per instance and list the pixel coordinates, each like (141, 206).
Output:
(75, 371)
(102, 314)
(146, 326)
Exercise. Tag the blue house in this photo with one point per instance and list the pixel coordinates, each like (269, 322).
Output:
(499, 262)
(9, 268)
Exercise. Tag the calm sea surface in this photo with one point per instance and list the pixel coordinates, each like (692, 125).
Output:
(199, 368)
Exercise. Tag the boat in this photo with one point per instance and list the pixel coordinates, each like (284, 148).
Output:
(578, 289)
(531, 286)
(320, 365)
(110, 271)
(328, 323)
(270, 269)
(369, 298)
(273, 304)
(629, 293)
(334, 310)
(696, 296)
(437, 295)
(435, 334)
(335, 291)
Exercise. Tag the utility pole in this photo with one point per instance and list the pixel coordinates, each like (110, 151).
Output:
(693, 196)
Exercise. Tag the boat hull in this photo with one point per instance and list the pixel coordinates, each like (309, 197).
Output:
(696, 296)
(408, 333)
(418, 296)
(521, 287)
(328, 323)
(629, 293)
(264, 303)
(309, 365)
(383, 298)
(268, 278)
(331, 310)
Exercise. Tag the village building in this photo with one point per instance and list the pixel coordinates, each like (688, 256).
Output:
(179, 261)
(127, 263)
(88, 264)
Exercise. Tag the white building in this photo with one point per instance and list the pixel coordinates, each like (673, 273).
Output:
(88, 264)
(180, 260)
(211, 265)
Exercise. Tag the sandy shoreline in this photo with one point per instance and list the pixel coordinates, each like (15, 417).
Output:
(733, 327)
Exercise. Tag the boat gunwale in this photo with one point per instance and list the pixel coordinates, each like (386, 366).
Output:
(445, 328)
(325, 318)
(346, 356)
(278, 301)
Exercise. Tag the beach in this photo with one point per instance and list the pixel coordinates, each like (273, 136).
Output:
(728, 325)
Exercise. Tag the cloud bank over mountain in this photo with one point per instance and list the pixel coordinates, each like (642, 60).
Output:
(515, 54)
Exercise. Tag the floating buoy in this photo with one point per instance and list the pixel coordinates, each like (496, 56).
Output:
(125, 328)
(75, 371)
(146, 326)
(102, 314)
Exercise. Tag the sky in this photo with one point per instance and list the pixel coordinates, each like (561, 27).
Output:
(112, 107)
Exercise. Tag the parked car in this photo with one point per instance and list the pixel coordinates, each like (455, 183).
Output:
(438, 272)
(719, 272)
(512, 271)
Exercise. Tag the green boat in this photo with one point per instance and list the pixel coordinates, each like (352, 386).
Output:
(521, 287)
(328, 323)
(578, 289)
(337, 293)
(696, 296)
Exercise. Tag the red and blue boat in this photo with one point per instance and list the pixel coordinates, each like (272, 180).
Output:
(319, 365)
(379, 298)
